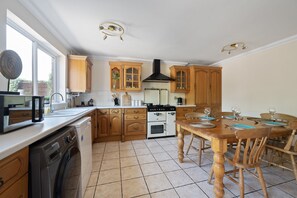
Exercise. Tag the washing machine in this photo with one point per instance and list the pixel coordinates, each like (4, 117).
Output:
(55, 166)
(84, 134)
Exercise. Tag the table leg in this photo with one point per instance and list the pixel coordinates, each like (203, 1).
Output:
(219, 146)
(180, 143)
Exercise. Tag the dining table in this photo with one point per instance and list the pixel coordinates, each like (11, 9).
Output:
(219, 136)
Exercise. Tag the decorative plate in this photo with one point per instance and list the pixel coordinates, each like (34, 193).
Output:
(272, 123)
(229, 117)
(242, 126)
(207, 118)
(205, 125)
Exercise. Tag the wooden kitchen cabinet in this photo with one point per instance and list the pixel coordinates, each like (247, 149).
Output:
(181, 112)
(135, 124)
(14, 174)
(205, 88)
(125, 76)
(181, 74)
(109, 124)
(93, 116)
(79, 73)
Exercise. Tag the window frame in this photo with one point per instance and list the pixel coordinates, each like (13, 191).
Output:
(37, 45)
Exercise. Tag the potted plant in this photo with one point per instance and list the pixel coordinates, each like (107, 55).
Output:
(115, 76)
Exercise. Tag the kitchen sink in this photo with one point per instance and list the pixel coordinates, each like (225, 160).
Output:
(66, 112)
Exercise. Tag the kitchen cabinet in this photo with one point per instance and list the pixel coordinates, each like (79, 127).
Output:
(181, 74)
(205, 88)
(109, 124)
(135, 124)
(93, 116)
(79, 73)
(181, 112)
(14, 174)
(125, 76)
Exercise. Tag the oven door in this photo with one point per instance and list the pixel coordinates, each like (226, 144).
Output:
(156, 129)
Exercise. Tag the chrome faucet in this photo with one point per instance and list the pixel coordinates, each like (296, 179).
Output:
(51, 101)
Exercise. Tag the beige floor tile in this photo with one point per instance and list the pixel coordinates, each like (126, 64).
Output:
(197, 174)
(187, 163)
(190, 191)
(93, 179)
(253, 195)
(128, 161)
(144, 196)
(165, 194)
(170, 148)
(111, 155)
(144, 159)
(163, 142)
(152, 144)
(111, 148)
(97, 157)
(162, 156)
(150, 169)
(234, 188)
(157, 183)
(156, 149)
(109, 176)
(89, 193)
(169, 165)
(96, 166)
(134, 187)
(142, 151)
(208, 189)
(289, 187)
(98, 149)
(126, 147)
(110, 164)
(274, 192)
(139, 146)
(109, 190)
(131, 172)
(178, 178)
(173, 154)
(127, 153)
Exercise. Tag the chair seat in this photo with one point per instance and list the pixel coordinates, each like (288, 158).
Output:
(229, 156)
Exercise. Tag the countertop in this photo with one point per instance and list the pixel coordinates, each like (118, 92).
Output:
(16, 140)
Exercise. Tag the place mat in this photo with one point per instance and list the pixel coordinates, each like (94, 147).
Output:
(229, 117)
(206, 118)
(205, 125)
(272, 123)
(242, 126)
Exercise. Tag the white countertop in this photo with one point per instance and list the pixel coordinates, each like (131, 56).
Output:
(185, 106)
(114, 107)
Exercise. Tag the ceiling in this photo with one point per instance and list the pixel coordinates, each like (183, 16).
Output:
(189, 31)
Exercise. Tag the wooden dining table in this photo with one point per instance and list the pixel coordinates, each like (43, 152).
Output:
(219, 136)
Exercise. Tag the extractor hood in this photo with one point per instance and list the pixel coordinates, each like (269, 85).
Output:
(156, 75)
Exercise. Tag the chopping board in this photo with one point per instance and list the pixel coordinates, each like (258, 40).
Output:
(126, 99)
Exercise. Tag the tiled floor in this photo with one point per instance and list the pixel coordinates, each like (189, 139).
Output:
(150, 168)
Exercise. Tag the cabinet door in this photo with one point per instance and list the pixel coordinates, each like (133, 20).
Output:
(116, 77)
(135, 127)
(18, 189)
(89, 78)
(132, 81)
(103, 125)
(115, 124)
(215, 78)
(202, 87)
(182, 81)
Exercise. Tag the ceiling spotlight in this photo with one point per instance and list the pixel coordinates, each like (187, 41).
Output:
(111, 29)
(234, 46)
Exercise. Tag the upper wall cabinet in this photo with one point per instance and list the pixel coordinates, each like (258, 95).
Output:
(79, 73)
(125, 76)
(181, 74)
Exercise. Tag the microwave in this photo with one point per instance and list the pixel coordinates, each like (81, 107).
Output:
(19, 111)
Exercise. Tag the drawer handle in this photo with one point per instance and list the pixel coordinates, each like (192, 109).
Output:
(104, 113)
(136, 117)
(135, 111)
(25, 114)
(135, 128)
(1, 182)
(116, 111)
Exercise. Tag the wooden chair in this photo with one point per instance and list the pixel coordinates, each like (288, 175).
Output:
(194, 116)
(279, 117)
(247, 157)
(288, 147)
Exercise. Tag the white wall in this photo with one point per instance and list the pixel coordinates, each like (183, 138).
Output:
(101, 82)
(259, 80)
(15, 7)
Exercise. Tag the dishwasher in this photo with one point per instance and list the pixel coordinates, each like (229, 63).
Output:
(84, 136)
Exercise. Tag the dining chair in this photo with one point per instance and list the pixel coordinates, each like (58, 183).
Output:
(278, 117)
(196, 116)
(247, 157)
(288, 147)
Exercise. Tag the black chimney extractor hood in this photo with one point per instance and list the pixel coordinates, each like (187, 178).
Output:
(156, 75)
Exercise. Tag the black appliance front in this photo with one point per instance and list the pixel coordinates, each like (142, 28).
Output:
(55, 166)
(19, 111)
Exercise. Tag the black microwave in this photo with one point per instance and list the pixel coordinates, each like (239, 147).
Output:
(19, 111)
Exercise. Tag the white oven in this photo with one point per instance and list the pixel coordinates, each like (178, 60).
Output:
(156, 129)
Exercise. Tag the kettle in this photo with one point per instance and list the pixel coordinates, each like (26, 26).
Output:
(179, 101)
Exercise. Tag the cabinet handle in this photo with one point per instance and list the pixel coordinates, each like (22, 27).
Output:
(136, 117)
(135, 111)
(135, 128)
(1, 182)
(116, 111)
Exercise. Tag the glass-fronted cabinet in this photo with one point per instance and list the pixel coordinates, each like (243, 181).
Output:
(182, 79)
(125, 76)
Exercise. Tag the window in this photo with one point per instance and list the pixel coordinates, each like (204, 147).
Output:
(39, 64)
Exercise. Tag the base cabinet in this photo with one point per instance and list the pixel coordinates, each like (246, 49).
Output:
(135, 124)
(93, 116)
(14, 175)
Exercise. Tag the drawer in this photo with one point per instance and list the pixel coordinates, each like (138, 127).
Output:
(115, 111)
(20, 113)
(181, 111)
(133, 127)
(135, 117)
(18, 189)
(102, 111)
(13, 168)
(135, 111)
